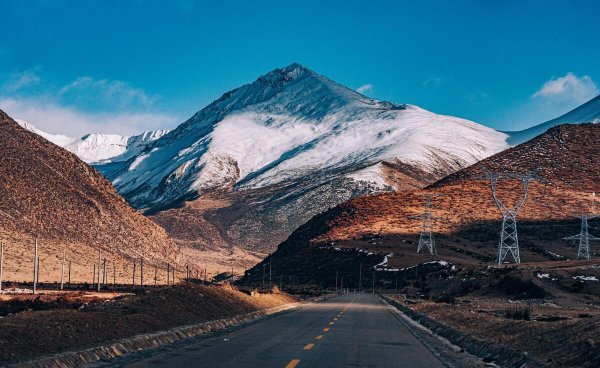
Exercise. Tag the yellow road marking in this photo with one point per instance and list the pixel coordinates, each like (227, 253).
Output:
(326, 329)
(309, 346)
(331, 323)
(335, 319)
(319, 337)
(293, 363)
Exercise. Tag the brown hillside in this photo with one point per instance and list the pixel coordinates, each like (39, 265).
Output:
(567, 157)
(467, 231)
(46, 191)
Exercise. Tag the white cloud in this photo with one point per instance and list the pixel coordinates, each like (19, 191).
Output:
(554, 98)
(93, 93)
(365, 88)
(19, 80)
(86, 105)
(51, 117)
(569, 88)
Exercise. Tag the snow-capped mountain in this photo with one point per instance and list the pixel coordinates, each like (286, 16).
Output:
(291, 124)
(293, 143)
(97, 147)
(589, 112)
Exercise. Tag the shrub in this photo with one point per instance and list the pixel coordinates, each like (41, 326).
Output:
(518, 312)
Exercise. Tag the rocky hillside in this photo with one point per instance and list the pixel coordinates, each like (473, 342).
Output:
(468, 224)
(48, 192)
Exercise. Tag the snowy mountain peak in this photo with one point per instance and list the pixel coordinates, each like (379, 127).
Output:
(99, 147)
(290, 124)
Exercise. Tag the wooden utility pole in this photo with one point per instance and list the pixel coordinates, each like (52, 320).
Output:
(62, 271)
(35, 267)
(133, 277)
(99, 270)
(360, 278)
(373, 291)
(69, 272)
(94, 276)
(168, 273)
(1, 263)
(114, 275)
(155, 275)
(141, 272)
(173, 278)
(104, 277)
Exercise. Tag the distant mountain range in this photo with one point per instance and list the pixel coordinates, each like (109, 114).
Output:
(96, 147)
(263, 159)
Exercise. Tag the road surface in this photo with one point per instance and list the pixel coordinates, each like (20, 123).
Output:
(351, 330)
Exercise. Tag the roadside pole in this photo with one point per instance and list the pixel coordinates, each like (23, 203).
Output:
(373, 290)
(1, 263)
(142, 273)
(35, 267)
(62, 271)
(360, 278)
(99, 270)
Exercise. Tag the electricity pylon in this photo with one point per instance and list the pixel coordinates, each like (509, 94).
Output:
(584, 237)
(509, 238)
(426, 239)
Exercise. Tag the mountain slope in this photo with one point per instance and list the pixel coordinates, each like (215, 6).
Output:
(97, 147)
(264, 158)
(468, 224)
(589, 112)
(48, 192)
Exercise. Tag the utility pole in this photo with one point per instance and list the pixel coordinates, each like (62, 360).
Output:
(69, 280)
(35, 267)
(263, 278)
(584, 237)
(360, 278)
(373, 289)
(98, 269)
(133, 276)
(168, 273)
(342, 284)
(114, 274)
(155, 275)
(142, 273)
(270, 285)
(104, 277)
(426, 239)
(1, 263)
(509, 239)
(62, 271)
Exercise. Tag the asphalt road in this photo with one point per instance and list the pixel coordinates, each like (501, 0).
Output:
(351, 330)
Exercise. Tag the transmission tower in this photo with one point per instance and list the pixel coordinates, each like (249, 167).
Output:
(509, 238)
(426, 239)
(584, 237)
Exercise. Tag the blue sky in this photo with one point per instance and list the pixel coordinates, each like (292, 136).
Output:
(126, 66)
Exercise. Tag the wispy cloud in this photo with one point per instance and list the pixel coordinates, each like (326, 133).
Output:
(365, 88)
(54, 118)
(19, 80)
(569, 88)
(85, 105)
(555, 97)
(88, 92)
